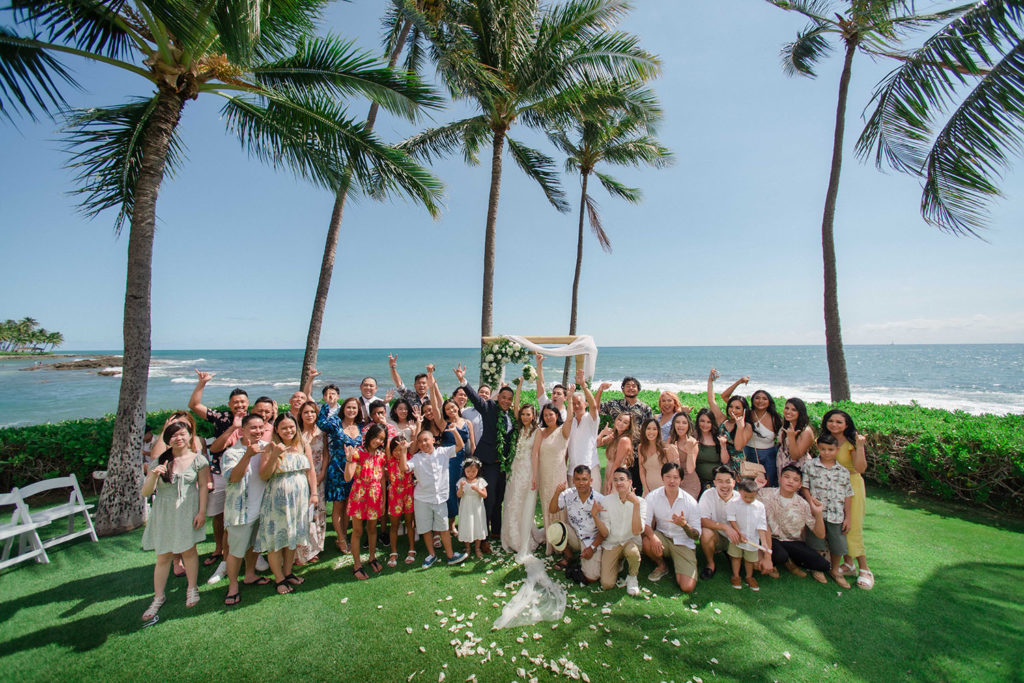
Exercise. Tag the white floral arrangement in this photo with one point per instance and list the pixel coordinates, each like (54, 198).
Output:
(529, 373)
(495, 355)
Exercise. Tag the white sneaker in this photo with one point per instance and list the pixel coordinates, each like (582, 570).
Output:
(222, 571)
(261, 564)
(632, 586)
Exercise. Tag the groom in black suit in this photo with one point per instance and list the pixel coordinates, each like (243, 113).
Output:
(497, 415)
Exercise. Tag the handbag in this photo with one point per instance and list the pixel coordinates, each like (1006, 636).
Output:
(751, 470)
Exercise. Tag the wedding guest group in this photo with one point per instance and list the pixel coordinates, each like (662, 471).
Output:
(679, 488)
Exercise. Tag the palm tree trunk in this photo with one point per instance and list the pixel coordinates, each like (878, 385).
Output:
(839, 381)
(323, 285)
(576, 277)
(487, 302)
(120, 507)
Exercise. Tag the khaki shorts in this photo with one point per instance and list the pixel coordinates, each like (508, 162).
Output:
(430, 516)
(241, 537)
(215, 501)
(610, 562)
(684, 560)
(736, 551)
(592, 567)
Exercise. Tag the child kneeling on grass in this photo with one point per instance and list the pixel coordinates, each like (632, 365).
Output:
(827, 483)
(430, 498)
(747, 518)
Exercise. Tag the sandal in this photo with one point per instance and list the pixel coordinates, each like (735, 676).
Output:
(865, 579)
(260, 581)
(294, 580)
(233, 599)
(410, 557)
(561, 564)
(360, 573)
(212, 559)
(393, 560)
(191, 597)
(153, 608)
(840, 580)
(846, 569)
(375, 566)
(282, 587)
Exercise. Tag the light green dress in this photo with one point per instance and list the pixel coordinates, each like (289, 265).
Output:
(284, 514)
(169, 527)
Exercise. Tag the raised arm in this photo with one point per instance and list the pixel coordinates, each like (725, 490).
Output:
(435, 398)
(393, 364)
(727, 394)
(592, 401)
(329, 424)
(307, 388)
(553, 503)
(541, 391)
(474, 398)
(195, 402)
(860, 460)
(459, 443)
(712, 404)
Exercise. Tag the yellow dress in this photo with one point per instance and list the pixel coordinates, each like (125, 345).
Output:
(855, 537)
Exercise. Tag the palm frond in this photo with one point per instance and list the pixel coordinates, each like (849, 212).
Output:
(617, 189)
(640, 151)
(106, 153)
(541, 168)
(931, 78)
(285, 24)
(442, 141)
(974, 147)
(183, 20)
(815, 10)
(89, 25)
(331, 66)
(28, 76)
(810, 47)
(594, 218)
(237, 23)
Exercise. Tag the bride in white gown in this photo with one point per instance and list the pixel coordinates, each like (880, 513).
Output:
(517, 521)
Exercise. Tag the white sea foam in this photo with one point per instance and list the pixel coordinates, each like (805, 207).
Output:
(112, 368)
(975, 403)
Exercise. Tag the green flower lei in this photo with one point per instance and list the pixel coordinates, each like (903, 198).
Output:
(506, 442)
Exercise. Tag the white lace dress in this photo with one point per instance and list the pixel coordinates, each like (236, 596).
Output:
(514, 515)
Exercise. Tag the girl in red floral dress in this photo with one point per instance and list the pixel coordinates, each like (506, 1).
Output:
(400, 488)
(365, 468)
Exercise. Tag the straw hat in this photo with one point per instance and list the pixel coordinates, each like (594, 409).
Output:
(558, 535)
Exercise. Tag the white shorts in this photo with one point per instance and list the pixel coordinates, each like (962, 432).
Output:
(430, 516)
(215, 501)
(241, 537)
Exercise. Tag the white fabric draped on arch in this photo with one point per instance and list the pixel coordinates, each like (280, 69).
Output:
(582, 345)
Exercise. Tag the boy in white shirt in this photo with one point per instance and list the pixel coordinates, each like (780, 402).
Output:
(748, 519)
(715, 531)
(620, 519)
(430, 497)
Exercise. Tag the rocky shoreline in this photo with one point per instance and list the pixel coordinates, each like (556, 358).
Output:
(105, 365)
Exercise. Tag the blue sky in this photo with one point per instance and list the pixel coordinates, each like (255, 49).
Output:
(725, 248)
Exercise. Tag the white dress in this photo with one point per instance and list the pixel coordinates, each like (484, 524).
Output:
(472, 516)
(517, 512)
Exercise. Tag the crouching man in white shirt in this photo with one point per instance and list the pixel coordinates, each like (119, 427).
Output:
(671, 529)
(620, 519)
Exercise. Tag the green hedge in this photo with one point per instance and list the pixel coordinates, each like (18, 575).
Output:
(974, 459)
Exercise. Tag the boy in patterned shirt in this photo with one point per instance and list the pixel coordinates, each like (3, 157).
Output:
(827, 483)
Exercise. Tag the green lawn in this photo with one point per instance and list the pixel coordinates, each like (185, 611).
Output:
(947, 606)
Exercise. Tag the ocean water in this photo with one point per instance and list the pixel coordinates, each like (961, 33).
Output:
(977, 378)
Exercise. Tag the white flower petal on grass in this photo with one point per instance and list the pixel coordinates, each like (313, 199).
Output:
(606, 610)
(718, 611)
(714, 661)
(422, 649)
(607, 643)
(521, 672)
(786, 655)
(440, 677)
(408, 629)
(647, 657)
(567, 620)
(675, 642)
(344, 600)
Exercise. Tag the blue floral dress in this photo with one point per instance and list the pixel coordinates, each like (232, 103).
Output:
(455, 466)
(335, 486)
(284, 513)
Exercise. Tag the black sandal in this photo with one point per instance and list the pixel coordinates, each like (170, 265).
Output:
(212, 559)
(261, 581)
(233, 599)
(294, 580)
(376, 566)
(360, 574)
(283, 584)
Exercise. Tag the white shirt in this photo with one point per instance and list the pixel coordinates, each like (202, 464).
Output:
(543, 400)
(431, 474)
(659, 515)
(617, 515)
(583, 443)
(749, 517)
(580, 519)
(245, 496)
(477, 420)
(713, 507)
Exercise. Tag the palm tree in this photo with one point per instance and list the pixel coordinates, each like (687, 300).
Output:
(983, 48)
(874, 27)
(620, 136)
(400, 27)
(520, 61)
(282, 93)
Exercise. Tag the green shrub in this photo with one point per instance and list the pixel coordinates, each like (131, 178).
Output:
(975, 459)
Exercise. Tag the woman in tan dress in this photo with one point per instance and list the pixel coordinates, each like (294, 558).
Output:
(549, 461)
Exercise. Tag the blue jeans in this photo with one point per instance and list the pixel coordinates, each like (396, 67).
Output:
(765, 456)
